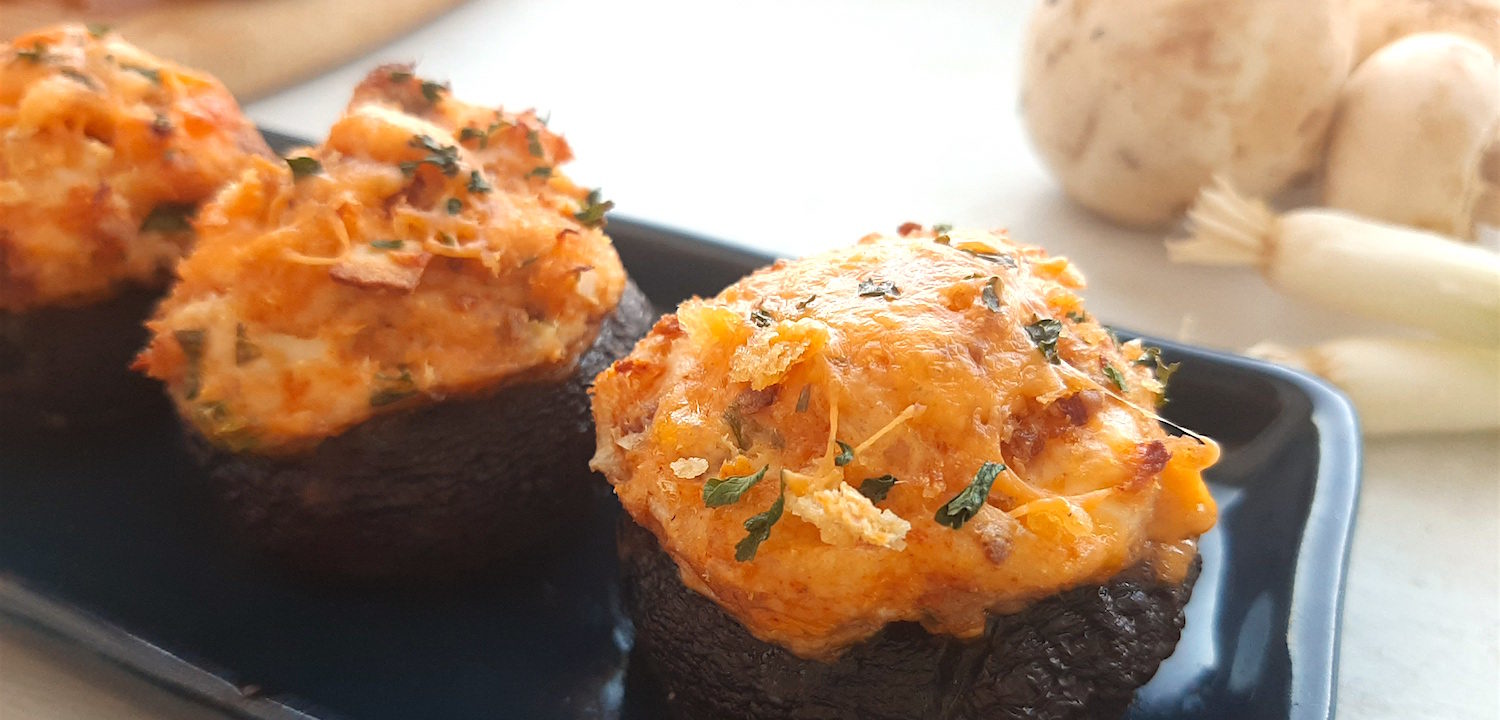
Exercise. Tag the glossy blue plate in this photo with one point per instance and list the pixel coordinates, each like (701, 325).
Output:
(108, 541)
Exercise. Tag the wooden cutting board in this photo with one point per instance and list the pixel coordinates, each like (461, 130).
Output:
(254, 46)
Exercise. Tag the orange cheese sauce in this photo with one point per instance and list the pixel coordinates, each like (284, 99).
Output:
(428, 248)
(917, 353)
(95, 134)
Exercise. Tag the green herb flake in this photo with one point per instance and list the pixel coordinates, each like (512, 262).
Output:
(477, 184)
(991, 294)
(400, 76)
(88, 82)
(442, 157)
(1115, 376)
(193, 343)
(1164, 371)
(592, 214)
(470, 133)
(97, 30)
(541, 171)
(245, 351)
(1044, 334)
(446, 239)
(433, 91)
(534, 144)
(942, 228)
(1077, 317)
(37, 53)
(302, 166)
(718, 492)
(876, 488)
(846, 454)
(966, 504)
(455, 206)
(1001, 258)
(152, 74)
(879, 288)
(804, 398)
(758, 527)
(170, 218)
(762, 318)
(386, 244)
(393, 389)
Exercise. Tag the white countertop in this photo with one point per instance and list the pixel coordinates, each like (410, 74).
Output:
(795, 126)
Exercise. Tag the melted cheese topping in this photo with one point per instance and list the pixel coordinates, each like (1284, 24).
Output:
(914, 358)
(435, 251)
(95, 134)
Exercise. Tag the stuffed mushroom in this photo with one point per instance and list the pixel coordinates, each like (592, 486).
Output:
(382, 345)
(106, 152)
(911, 478)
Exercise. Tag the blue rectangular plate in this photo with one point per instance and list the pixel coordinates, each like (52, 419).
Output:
(108, 540)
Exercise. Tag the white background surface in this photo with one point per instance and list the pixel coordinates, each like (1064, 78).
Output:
(795, 126)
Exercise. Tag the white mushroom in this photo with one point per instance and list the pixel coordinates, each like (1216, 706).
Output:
(1413, 125)
(1134, 104)
(1382, 22)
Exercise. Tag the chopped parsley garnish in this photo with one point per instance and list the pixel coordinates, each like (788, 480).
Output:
(433, 91)
(846, 454)
(965, 505)
(386, 244)
(762, 318)
(942, 228)
(37, 53)
(534, 144)
(876, 488)
(1002, 258)
(455, 206)
(447, 239)
(477, 184)
(540, 171)
(97, 30)
(991, 294)
(302, 166)
(395, 389)
(1044, 334)
(400, 76)
(804, 398)
(442, 157)
(88, 82)
(736, 427)
(758, 527)
(192, 343)
(879, 288)
(1115, 376)
(1164, 371)
(244, 350)
(483, 136)
(718, 492)
(803, 303)
(1077, 316)
(152, 74)
(170, 218)
(592, 214)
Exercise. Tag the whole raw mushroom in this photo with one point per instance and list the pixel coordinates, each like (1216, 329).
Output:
(1414, 124)
(1382, 22)
(1135, 104)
